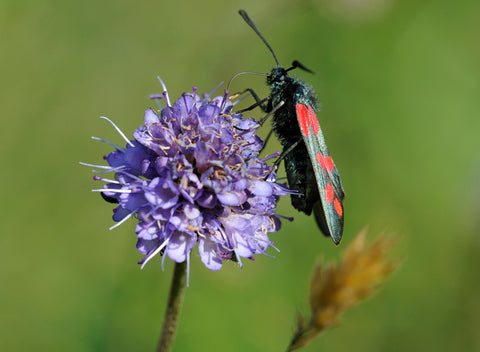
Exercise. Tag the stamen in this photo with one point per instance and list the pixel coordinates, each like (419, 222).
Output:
(109, 143)
(99, 166)
(119, 131)
(123, 220)
(163, 260)
(253, 237)
(240, 264)
(157, 98)
(165, 93)
(96, 178)
(188, 268)
(271, 245)
(214, 90)
(224, 101)
(120, 171)
(184, 95)
(274, 155)
(285, 217)
(241, 99)
(113, 190)
(116, 169)
(150, 256)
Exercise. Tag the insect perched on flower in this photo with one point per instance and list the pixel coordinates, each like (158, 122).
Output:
(315, 178)
(192, 175)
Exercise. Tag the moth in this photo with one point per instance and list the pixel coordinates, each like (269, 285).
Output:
(309, 167)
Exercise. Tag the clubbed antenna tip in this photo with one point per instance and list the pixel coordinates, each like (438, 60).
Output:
(247, 19)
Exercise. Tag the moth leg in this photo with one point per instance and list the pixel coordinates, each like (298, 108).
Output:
(267, 138)
(286, 152)
(282, 156)
(237, 94)
(262, 121)
(278, 106)
(258, 102)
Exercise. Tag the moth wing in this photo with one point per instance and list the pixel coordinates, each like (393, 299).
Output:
(329, 213)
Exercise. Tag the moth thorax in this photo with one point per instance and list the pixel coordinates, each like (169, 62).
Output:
(277, 75)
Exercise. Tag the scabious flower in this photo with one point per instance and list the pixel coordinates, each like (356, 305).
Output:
(192, 175)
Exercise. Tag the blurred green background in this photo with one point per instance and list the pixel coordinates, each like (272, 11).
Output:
(399, 84)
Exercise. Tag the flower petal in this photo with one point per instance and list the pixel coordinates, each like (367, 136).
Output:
(180, 245)
(150, 117)
(208, 254)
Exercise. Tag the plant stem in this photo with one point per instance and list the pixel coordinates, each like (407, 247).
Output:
(174, 306)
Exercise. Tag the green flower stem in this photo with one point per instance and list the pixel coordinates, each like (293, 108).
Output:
(174, 306)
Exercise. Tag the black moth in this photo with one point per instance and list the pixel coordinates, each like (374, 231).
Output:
(310, 169)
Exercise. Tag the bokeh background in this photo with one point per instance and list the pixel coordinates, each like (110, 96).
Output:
(399, 84)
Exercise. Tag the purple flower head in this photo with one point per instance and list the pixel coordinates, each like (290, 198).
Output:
(192, 175)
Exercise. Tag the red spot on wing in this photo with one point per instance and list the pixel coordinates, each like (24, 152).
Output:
(329, 164)
(302, 115)
(320, 160)
(338, 207)
(329, 193)
(313, 120)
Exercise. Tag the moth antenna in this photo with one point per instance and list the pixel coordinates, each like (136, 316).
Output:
(251, 24)
(296, 64)
(243, 73)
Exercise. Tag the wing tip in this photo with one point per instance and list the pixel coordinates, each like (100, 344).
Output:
(336, 238)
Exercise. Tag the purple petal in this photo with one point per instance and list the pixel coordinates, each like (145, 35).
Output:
(162, 192)
(150, 117)
(119, 213)
(147, 246)
(232, 198)
(146, 231)
(180, 245)
(208, 254)
(132, 201)
(207, 199)
(262, 188)
(191, 211)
